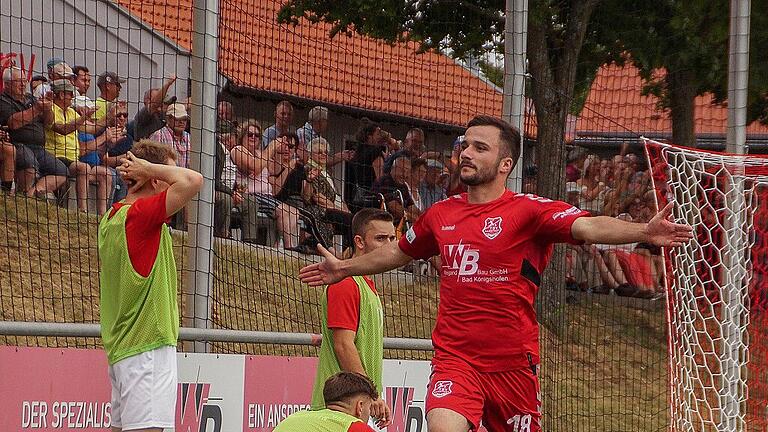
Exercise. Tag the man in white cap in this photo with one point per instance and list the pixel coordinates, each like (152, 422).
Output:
(57, 69)
(174, 133)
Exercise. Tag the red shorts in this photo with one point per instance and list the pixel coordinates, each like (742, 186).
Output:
(507, 400)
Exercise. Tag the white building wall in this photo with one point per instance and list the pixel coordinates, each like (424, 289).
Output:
(96, 34)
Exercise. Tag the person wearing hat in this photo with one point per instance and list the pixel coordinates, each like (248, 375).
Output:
(38, 173)
(61, 139)
(431, 189)
(174, 133)
(151, 117)
(109, 84)
(57, 69)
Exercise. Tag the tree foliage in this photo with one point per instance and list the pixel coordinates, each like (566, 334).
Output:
(557, 34)
(680, 48)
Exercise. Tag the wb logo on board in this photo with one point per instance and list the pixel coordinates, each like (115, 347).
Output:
(193, 412)
(406, 417)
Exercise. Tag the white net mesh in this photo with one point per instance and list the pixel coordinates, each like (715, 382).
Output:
(716, 287)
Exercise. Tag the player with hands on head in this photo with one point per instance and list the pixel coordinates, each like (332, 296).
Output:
(138, 279)
(494, 244)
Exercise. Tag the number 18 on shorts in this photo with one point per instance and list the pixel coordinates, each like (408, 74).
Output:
(503, 401)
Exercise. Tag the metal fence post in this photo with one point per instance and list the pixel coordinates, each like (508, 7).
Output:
(513, 110)
(204, 80)
(732, 388)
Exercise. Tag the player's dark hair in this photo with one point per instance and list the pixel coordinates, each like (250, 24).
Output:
(509, 136)
(346, 385)
(153, 151)
(365, 216)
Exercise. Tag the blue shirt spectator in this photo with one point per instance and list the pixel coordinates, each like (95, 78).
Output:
(283, 119)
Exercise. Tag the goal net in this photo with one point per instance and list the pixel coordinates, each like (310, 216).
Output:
(716, 287)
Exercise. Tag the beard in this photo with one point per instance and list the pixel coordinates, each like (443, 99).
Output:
(481, 176)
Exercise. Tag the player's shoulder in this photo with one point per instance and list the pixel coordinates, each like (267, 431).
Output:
(534, 202)
(450, 202)
(148, 206)
(531, 198)
(359, 426)
(344, 286)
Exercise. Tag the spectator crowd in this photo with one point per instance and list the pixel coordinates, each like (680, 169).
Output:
(275, 185)
(619, 186)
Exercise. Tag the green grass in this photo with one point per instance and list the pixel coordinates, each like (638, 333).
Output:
(605, 369)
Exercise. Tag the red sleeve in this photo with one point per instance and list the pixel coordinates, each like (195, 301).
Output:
(343, 305)
(359, 427)
(419, 242)
(554, 220)
(143, 223)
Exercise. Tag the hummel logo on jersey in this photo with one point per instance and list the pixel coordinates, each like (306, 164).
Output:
(462, 258)
(448, 227)
(566, 213)
(492, 227)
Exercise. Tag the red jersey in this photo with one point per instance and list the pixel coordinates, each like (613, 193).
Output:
(344, 303)
(492, 257)
(143, 225)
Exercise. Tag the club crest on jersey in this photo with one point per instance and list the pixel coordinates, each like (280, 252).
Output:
(492, 227)
(442, 389)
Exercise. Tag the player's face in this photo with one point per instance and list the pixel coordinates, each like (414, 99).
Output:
(480, 156)
(377, 234)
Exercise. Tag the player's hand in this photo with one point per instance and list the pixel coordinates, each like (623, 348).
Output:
(326, 272)
(660, 231)
(381, 412)
(135, 171)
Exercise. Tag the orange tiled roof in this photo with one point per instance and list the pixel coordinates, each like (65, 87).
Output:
(355, 71)
(615, 105)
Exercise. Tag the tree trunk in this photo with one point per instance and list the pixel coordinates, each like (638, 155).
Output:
(553, 85)
(682, 93)
(550, 160)
(553, 76)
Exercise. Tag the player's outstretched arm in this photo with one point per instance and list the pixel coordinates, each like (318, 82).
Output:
(659, 231)
(183, 183)
(332, 269)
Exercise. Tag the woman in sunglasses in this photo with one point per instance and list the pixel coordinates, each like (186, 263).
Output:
(254, 167)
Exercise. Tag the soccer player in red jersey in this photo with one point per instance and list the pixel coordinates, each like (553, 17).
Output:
(494, 244)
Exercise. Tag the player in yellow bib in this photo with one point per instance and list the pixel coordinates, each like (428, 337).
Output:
(353, 319)
(348, 399)
(139, 305)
